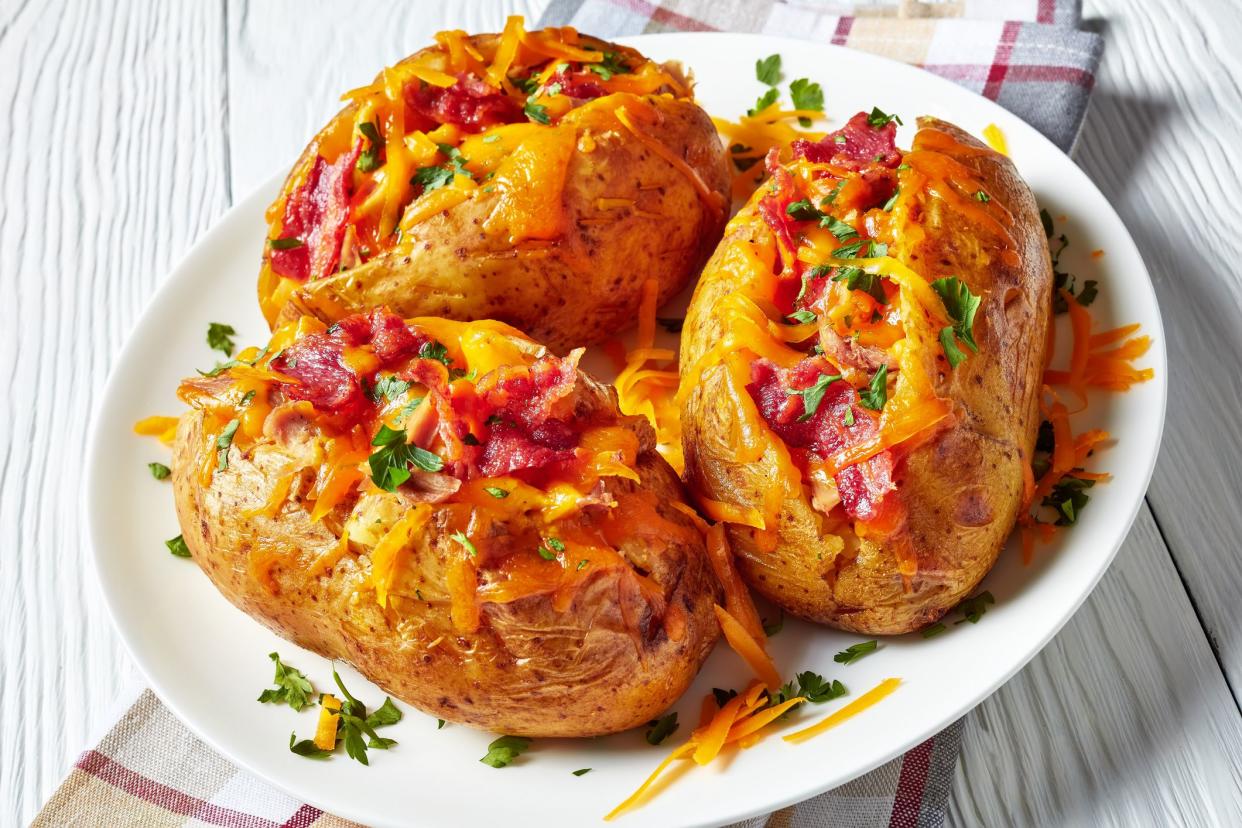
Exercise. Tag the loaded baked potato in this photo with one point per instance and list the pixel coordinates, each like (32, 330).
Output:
(860, 373)
(463, 516)
(537, 178)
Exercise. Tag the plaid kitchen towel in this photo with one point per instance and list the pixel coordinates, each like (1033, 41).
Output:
(1027, 55)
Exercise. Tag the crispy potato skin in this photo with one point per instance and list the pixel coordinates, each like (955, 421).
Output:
(529, 670)
(582, 288)
(963, 489)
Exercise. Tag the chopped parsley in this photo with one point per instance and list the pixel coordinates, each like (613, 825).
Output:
(742, 164)
(982, 197)
(496, 492)
(723, 696)
(672, 324)
(223, 441)
(771, 628)
(581, 771)
(432, 178)
(307, 748)
(287, 243)
(848, 419)
(855, 278)
(806, 95)
(220, 338)
(802, 210)
(838, 228)
(539, 114)
(388, 388)
(390, 465)
(813, 395)
(816, 272)
(765, 100)
(961, 306)
(461, 538)
(849, 251)
(504, 750)
(832, 195)
(933, 631)
(892, 200)
(1068, 497)
(974, 607)
(353, 724)
(369, 160)
(879, 119)
(876, 394)
(581, 565)
(292, 686)
(549, 548)
(802, 316)
(855, 651)
(660, 729)
(768, 70)
(612, 64)
(816, 689)
(435, 350)
(177, 546)
(158, 470)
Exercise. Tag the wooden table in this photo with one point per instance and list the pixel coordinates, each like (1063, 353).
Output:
(130, 129)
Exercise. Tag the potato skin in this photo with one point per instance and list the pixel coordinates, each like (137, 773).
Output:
(529, 669)
(962, 490)
(583, 288)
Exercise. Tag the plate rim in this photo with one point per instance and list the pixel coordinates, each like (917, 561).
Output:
(221, 226)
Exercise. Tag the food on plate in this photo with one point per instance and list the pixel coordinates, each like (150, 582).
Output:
(861, 369)
(537, 178)
(459, 513)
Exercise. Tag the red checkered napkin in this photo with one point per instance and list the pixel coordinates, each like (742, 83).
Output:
(1025, 54)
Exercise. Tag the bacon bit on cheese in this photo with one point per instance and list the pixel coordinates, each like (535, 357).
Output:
(165, 428)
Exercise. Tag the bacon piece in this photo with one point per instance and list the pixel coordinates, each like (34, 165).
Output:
(854, 146)
(325, 381)
(863, 487)
(582, 86)
(316, 214)
(470, 104)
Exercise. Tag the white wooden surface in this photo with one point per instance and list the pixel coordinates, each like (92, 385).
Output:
(128, 129)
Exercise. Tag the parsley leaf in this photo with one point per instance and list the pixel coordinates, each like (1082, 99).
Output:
(435, 350)
(177, 546)
(581, 771)
(832, 195)
(307, 748)
(504, 750)
(661, 728)
(1090, 289)
(768, 70)
(223, 441)
(723, 696)
(220, 338)
(389, 388)
(539, 114)
(949, 343)
(1068, 498)
(974, 607)
(802, 210)
(838, 228)
(849, 251)
(390, 465)
(369, 159)
(813, 395)
(287, 243)
(496, 492)
(612, 64)
(354, 723)
(982, 197)
(806, 95)
(672, 324)
(387, 714)
(961, 305)
(466, 543)
(856, 278)
(159, 471)
(816, 689)
(855, 651)
(432, 178)
(292, 687)
(771, 628)
(892, 200)
(933, 631)
(876, 394)
(802, 316)
(879, 119)
(765, 100)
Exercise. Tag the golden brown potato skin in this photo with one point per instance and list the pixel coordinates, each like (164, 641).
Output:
(529, 670)
(586, 286)
(962, 490)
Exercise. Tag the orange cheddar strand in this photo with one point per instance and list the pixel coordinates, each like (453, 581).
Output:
(751, 651)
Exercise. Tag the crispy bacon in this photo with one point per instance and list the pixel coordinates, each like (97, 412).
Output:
(854, 146)
(863, 487)
(316, 214)
(470, 104)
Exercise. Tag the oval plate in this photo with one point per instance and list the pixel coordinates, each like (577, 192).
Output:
(208, 662)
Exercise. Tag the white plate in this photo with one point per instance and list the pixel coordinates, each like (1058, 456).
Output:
(208, 662)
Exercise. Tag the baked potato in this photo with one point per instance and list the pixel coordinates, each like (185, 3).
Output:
(537, 178)
(463, 516)
(861, 366)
